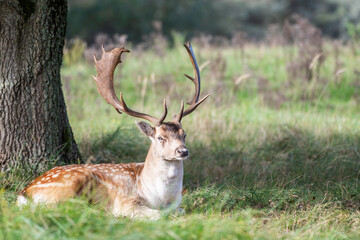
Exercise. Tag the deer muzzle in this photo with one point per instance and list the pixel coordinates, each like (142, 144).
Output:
(182, 152)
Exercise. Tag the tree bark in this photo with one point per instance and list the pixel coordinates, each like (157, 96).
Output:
(33, 119)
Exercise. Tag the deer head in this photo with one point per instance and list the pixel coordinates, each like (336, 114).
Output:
(168, 138)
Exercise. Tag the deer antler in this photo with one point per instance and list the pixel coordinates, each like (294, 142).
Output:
(104, 79)
(194, 103)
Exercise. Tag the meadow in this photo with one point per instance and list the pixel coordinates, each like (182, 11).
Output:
(275, 150)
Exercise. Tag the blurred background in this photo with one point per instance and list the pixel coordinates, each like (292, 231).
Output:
(277, 52)
(255, 19)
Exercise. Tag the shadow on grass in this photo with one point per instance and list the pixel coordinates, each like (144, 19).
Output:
(292, 157)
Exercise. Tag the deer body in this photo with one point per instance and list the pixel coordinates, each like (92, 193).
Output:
(161, 183)
(135, 190)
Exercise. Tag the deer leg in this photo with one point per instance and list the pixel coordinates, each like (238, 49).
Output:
(134, 209)
(143, 212)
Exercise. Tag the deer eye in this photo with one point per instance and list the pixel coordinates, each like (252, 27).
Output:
(161, 139)
(184, 136)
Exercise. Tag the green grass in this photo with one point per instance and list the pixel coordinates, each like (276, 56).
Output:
(270, 159)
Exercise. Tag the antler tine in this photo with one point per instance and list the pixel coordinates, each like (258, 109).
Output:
(195, 102)
(180, 115)
(192, 107)
(165, 113)
(104, 79)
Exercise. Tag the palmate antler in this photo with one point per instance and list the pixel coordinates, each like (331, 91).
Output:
(105, 84)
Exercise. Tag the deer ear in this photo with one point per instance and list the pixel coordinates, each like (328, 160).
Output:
(146, 128)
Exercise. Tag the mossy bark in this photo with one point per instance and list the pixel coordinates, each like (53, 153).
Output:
(33, 118)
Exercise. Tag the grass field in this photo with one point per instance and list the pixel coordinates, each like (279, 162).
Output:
(275, 154)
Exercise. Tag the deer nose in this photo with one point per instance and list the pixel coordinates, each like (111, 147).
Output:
(182, 151)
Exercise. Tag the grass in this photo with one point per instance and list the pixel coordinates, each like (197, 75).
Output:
(272, 157)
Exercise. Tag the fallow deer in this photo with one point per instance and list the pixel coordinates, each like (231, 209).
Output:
(133, 189)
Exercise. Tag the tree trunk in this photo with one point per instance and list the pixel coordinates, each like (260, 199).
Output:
(33, 120)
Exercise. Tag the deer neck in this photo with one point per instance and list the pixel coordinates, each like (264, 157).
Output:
(161, 181)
